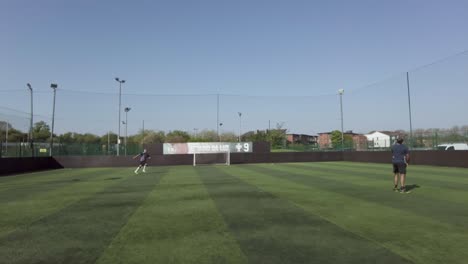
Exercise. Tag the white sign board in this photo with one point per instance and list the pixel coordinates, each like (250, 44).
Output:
(206, 147)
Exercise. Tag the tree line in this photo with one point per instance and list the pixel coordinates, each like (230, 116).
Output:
(277, 136)
(42, 131)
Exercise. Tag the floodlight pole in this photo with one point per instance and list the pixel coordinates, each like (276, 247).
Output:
(217, 116)
(120, 105)
(127, 109)
(6, 139)
(31, 121)
(143, 132)
(341, 91)
(220, 125)
(54, 87)
(409, 109)
(240, 125)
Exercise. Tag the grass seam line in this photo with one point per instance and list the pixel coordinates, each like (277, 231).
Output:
(51, 214)
(231, 235)
(322, 217)
(130, 216)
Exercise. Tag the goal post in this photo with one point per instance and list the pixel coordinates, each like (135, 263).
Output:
(219, 158)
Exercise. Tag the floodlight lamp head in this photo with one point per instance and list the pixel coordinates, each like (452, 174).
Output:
(53, 85)
(127, 109)
(117, 79)
(123, 81)
(29, 86)
(341, 91)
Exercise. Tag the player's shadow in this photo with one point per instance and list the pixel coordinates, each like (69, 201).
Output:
(113, 178)
(412, 187)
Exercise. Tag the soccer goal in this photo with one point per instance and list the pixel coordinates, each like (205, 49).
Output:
(221, 158)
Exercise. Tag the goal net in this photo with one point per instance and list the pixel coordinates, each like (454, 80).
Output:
(221, 158)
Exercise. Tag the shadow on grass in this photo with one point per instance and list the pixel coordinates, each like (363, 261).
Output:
(113, 178)
(412, 187)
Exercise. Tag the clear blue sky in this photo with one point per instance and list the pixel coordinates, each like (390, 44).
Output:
(298, 52)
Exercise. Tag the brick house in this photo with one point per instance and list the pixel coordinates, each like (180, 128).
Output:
(359, 140)
(301, 139)
(324, 140)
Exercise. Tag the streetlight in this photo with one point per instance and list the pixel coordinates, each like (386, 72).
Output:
(54, 87)
(31, 121)
(127, 109)
(120, 105)
(341, 91)
(240, 125)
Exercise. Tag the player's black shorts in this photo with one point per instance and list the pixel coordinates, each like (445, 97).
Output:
(143, 162)
(399, 168)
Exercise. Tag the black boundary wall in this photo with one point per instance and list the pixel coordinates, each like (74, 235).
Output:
(187, 159)
(10, 166)
(433, 158)
(457, 158)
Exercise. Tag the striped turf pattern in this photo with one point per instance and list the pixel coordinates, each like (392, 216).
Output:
(334, 212)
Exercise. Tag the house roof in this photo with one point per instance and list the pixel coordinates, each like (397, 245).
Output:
(388, 133)
(302, 135)
(346, 133)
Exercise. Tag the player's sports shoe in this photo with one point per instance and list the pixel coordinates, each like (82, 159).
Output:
(395, 189)
(144, 171)
(403, 190)
(136, 172)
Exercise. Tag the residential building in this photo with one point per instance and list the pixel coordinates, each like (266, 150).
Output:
(381, 139)
(359, 140)
(301, 139)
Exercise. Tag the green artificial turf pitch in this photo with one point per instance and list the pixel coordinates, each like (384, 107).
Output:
(333, 212)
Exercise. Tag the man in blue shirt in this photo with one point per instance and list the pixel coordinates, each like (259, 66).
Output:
(144, 156)
(400, 159)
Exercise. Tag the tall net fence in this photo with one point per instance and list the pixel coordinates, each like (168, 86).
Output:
(437, 95)
(14, 133)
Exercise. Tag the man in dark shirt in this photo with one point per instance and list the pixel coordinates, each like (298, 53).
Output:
(400, 159)
(144, 156)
